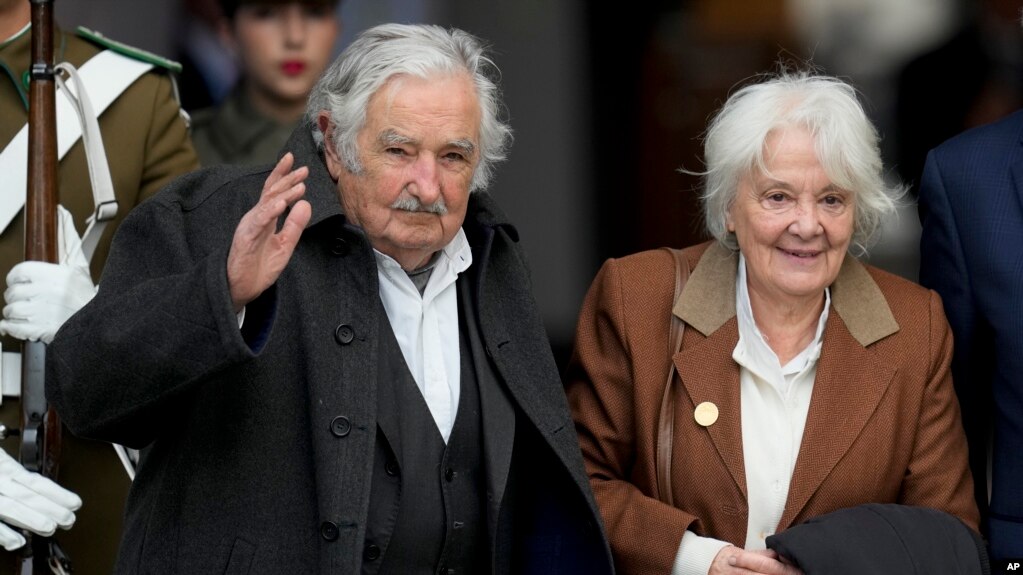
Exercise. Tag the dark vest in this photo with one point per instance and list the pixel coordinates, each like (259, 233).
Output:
(427, 510)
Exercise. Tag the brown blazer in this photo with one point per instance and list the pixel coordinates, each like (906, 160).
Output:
(883, 424)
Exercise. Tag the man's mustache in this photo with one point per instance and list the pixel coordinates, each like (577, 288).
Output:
(410, 203)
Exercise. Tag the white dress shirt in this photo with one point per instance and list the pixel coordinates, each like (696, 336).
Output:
(426, 326)
(774, 402)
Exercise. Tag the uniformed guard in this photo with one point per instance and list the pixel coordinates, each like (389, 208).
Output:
(147, 144)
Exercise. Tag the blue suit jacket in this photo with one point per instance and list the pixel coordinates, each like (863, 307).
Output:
(971, 207)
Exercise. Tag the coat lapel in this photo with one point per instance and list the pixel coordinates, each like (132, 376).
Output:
(496, 412)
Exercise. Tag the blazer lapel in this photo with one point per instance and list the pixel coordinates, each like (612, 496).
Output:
(849, 385)
(709, 374)
(705, 365)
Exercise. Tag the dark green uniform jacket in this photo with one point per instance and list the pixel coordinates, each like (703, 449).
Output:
(236, 133)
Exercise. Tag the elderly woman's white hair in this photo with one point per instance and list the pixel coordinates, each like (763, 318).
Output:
(423, 51)
(846, 143)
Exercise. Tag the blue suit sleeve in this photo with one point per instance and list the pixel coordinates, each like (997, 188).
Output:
(944, 267)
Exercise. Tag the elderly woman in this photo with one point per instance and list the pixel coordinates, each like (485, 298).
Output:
(807, 381)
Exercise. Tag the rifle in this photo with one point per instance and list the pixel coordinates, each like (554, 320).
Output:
(40, 426)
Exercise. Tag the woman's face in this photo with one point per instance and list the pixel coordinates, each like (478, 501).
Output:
(792, 224)
(283, 48)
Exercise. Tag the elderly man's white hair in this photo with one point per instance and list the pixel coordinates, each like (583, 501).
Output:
(423, 51)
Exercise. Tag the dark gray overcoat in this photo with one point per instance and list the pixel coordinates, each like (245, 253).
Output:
(258, 443)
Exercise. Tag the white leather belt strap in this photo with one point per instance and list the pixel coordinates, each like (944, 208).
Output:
(10, 373)
(129, 459)
(105, 76)
(95, 156)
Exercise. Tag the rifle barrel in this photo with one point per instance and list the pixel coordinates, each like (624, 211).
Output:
(40, 437)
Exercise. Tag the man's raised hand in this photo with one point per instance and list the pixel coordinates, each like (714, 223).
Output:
(258, 251)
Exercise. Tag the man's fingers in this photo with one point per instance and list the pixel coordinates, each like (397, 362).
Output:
(291, 231)
(262, 219)
(295, 223)
(275, 201)
(286, 184)
(283, 167)
(278, 185)
(259, 251)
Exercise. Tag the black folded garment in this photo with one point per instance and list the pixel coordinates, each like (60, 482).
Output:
(883, 539)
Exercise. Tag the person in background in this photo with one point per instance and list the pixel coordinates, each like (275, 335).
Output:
(979, 73)
(336, 365)
(147, 145)
(209, 71)
(971, 249)
(282, 48)
(807, 382)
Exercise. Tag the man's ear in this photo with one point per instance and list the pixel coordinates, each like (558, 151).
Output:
(334, 162)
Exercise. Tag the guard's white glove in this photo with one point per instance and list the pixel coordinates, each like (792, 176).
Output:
(31, 501)
(41, 296)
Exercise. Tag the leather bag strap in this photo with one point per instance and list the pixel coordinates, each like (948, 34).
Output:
(666, 420)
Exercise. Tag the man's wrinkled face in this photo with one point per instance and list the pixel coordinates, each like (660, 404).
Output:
(418, 148)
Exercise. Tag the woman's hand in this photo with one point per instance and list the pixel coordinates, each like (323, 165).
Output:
(733, 561)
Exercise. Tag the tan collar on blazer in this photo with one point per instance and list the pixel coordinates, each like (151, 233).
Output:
(708, 299)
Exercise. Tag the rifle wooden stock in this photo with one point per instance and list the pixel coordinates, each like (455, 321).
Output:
(40, 435)
(41, 202)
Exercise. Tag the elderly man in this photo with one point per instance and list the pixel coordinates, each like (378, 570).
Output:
(338, 368)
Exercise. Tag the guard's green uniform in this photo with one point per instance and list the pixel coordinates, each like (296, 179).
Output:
(235, 133)
(147, 145)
